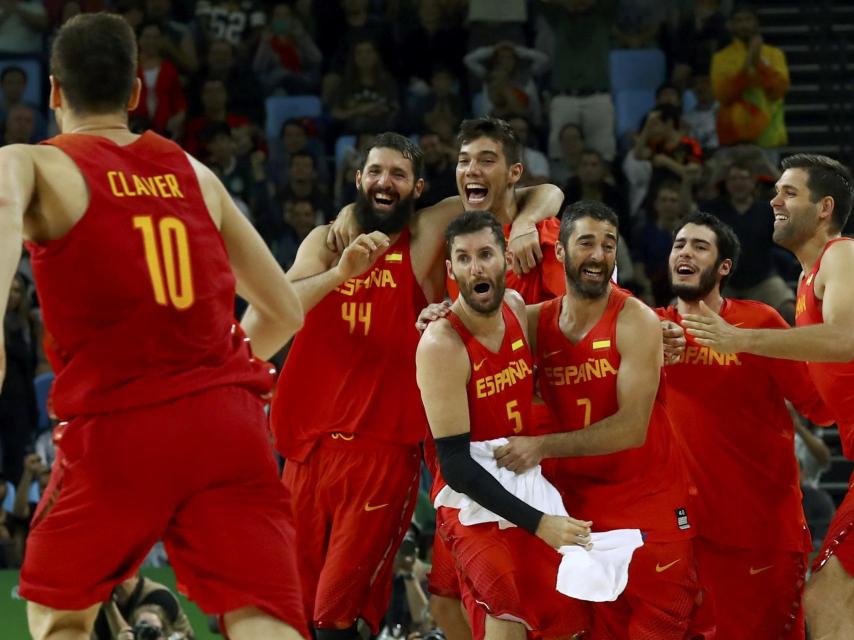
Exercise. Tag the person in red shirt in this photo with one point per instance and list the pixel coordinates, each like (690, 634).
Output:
(753, 539)
(614, 455)
(136, 249)
(353, 458)
(811, 206)
(475, 374)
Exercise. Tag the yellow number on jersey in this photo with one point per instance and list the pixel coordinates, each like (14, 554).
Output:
(170, 242)
(354, 313)
(585, 402)
(514, 416)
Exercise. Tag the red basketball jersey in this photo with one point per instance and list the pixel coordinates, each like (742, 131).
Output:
(834, 380)
(351, 368)
(545, 281)
(501, 386)
(730, 413)
(138, 297)
(645, 487)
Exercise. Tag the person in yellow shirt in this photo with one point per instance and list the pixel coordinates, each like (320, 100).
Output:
(749, 79)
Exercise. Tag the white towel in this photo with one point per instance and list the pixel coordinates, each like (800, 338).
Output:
(597, 575)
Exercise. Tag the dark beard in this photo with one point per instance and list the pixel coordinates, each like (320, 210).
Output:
(689, 293)
(369, 220)
(492, 306)
(583, 289)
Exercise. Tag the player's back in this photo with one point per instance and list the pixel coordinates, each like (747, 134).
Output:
(137, 297)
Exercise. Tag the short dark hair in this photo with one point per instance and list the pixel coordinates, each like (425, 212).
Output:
(94, 58)
(472, 222)
(571, 125)
(213, 130)
(407, 148)
(12, 69)
(494, 129)
(726, 241)
(585, 209)
(825, 177)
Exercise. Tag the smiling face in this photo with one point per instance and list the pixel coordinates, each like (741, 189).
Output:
(483, 177)
(386, 190)
(478, 265)
(695, 270)
(589, 257)
(795, 215)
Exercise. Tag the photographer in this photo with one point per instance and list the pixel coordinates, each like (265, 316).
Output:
(408, 612)
(141, 609)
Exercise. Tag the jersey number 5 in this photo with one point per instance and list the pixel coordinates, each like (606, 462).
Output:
(167, 254)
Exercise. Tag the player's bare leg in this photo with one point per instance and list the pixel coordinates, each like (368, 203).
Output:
(249, 623)
(56, 624)
(503, 630)
(829, 602)
(450, 617)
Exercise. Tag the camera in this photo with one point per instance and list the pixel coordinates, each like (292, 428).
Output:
(143, 630)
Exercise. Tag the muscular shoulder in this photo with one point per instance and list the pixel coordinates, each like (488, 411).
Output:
(838, 260)
(211, 187)
(637, 319)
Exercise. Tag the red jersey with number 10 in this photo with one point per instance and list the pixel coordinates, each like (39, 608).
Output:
(138, 297)
(501, 386)
(646, 487)
(351, 369)
(834, 380)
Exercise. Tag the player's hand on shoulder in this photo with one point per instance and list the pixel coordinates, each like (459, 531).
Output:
(673, 340)
(343, 230)
(431, 313)
(362, 253)
(519, 454)
(525, 250)
(560, 531)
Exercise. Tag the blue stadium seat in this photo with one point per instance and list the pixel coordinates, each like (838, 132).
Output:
(630, 106)
(636, 69)
(341, 145)
(282, 108)
(42, 384)
(33, 68)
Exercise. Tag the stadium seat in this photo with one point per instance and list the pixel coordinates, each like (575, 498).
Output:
(341, 145)
(33, 68)
(636, 69)
(42, 384)
(282, 108)
(630, 106)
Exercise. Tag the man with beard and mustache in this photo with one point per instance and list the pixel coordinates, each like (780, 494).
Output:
(352, 448)
(730, 412)
(811, 207)
(475, 373)
(614, 455)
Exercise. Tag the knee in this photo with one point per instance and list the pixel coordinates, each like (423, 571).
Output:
(46, 623)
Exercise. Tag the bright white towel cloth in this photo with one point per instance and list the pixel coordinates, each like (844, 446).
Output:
(597, 575)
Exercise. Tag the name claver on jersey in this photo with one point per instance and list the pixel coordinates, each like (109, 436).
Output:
(507, 377)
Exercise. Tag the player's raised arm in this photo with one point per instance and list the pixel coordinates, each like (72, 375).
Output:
(317, 270)
(17, 180)
(829, 341)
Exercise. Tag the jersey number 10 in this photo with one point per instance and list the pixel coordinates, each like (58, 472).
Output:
(167, 254)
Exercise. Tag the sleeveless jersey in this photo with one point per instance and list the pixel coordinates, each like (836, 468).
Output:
(730, 413)
(501, 386)
(138, 297)
(834, 380)
(543, 282)
(351, 369)
(645, 487)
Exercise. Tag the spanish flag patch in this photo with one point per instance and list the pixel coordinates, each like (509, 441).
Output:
(601, 344)
(517, 345)
(394, 257)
